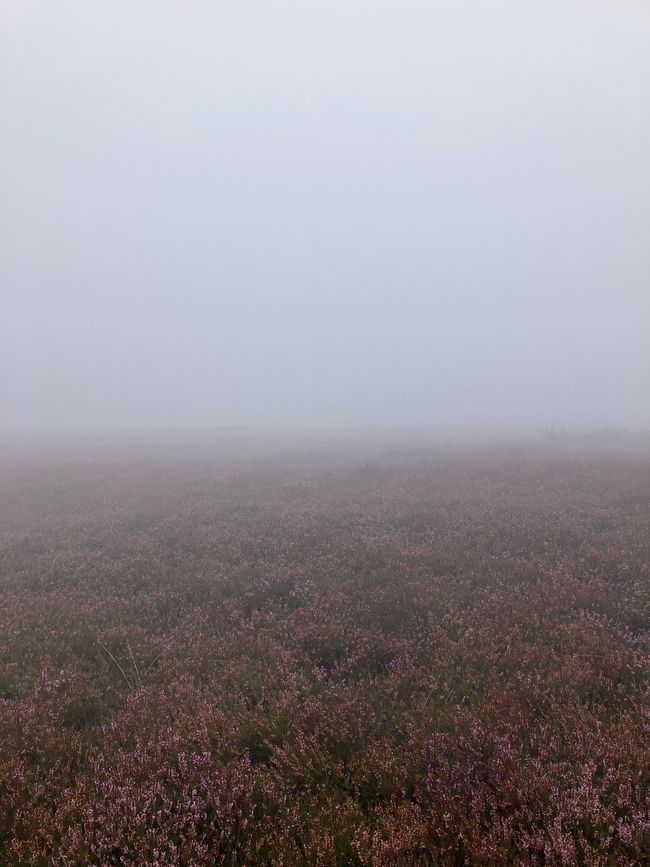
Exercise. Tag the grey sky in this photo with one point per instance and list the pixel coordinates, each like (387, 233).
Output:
(324, 213)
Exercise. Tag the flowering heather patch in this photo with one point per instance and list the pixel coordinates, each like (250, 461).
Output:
(433, 663)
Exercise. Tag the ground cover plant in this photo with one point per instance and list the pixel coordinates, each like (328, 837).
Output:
(433, 658)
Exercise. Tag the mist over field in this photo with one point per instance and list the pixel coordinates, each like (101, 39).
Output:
(327, 215)
(324, 433)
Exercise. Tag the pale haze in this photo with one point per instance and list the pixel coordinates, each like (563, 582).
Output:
(276, 214)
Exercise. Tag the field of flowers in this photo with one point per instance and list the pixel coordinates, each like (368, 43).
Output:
(434, 660)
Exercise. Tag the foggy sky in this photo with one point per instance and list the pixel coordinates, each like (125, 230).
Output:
(352, 212)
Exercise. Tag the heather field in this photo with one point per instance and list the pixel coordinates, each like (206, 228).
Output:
(421, 658)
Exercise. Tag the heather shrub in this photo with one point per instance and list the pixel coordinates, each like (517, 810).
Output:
(435, 662)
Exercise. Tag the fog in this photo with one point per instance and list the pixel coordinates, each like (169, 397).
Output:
(422, 215)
